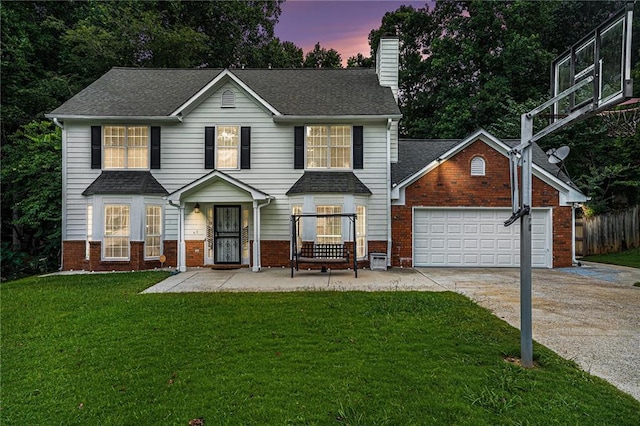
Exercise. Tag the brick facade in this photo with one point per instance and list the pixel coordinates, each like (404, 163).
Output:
(74, 257)
(451, 185)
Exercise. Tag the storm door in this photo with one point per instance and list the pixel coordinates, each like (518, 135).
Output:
(227, 232)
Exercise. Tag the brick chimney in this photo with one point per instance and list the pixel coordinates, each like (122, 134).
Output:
(387, 62)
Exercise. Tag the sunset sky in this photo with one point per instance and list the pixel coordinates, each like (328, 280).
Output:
(340, 25)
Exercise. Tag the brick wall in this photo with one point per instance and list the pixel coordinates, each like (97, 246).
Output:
(74, 257)
(195, 252)
(451, 185)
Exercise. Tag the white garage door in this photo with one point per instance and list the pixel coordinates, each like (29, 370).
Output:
(468, 237)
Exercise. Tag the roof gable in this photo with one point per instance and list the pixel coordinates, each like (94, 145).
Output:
(418, 157)
(211, 177)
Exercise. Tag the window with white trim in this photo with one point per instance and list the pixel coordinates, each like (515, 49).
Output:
(329, 229)
(227, 147)
(328, 147)
(126, 147)
(153, 231)
(477, 166)
(361, 231)
(89, 229)
(116, 232)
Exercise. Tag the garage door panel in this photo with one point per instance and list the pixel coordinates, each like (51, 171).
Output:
(467, 237)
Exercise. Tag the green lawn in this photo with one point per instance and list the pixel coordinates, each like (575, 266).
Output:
(89, 350)
(625, 258)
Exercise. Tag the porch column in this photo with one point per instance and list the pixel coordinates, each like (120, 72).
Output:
(182, 247)
(256, 237)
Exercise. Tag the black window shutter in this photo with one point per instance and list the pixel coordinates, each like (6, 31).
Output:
(155, 147)
(298, 154)
(245, 147)
(358, 148)
(96, 147)
(209, 147)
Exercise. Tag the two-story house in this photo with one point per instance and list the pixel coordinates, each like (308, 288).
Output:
(204, 167)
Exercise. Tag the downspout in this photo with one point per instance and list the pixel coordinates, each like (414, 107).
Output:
(573, 235)
(181, 244)
(389, 236)
(64, 192)
(257, 219)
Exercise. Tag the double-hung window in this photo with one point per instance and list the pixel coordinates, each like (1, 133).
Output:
(227, 147)
(328, 147)
(126, 147)
(116, 232)
(329, 229)
(153, 231)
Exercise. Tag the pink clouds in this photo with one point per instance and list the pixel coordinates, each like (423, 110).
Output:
(340, 25)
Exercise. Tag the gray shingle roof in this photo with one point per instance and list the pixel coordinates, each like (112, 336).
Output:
(308, 91)
(328, 182)
(125, 182)
(415, 154)
(126, 92)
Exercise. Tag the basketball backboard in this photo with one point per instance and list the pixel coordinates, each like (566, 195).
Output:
(602, 56)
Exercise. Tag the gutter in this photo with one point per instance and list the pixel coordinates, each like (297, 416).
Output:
(118, 118)
(57, 123)
(333, 118)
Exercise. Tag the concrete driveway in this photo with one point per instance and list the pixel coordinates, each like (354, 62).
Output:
(589, 314)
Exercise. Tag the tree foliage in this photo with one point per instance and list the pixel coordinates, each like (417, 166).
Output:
(31, 177)
(320, 57)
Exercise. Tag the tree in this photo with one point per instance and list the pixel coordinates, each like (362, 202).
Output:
(31, 178)
(277, 54)
(320, 57)
(359, 61)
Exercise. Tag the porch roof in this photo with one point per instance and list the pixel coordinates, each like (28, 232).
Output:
(125, 182)
(205, 180)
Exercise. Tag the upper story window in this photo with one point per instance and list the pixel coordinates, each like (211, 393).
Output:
(126, 147)
(477, 166)
(228, 99)
(328, 147)
(227, 147)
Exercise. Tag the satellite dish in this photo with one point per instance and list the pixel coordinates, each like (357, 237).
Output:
(558, 155)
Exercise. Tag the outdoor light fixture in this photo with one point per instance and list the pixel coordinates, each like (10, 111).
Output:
(196, 209)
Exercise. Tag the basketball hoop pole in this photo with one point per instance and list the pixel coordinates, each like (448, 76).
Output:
(526, 333)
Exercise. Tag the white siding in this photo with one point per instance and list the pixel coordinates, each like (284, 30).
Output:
(271, 166)
(387, 62)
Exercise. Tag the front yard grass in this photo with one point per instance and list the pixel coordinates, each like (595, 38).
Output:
(624, 258)
(88, 349)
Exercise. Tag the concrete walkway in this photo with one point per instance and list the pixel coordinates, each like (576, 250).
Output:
(589, 314)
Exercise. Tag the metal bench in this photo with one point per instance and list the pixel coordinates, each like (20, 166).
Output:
(323, 254)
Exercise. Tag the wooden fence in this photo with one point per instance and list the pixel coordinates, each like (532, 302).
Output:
(608, 233)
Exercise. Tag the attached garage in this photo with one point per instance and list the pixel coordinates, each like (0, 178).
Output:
(477, 237)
